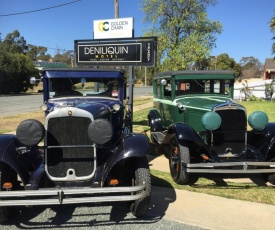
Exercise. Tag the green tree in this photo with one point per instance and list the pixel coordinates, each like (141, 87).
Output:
(252, 67)
(15, 72)
(65, 57)
(14, 43)
(37, 53)
(272, 28)
(224, 62)
(185, 34)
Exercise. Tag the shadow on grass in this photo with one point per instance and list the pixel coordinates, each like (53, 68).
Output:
(142, 123)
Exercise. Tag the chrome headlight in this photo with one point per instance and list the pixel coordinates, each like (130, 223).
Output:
(116, 107)
(44, 107)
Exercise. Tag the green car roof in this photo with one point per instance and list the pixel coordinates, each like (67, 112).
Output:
(198, 74)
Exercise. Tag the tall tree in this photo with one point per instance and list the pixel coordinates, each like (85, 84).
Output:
(66, 57)
(224, 62)
(272, 27)
(252, 67)
(185, 34)
(38, 53)
(14, 43)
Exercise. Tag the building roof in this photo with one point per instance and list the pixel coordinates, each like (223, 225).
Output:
(270, 64)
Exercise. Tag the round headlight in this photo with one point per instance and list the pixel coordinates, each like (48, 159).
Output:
(258, 120)
(100, 131)
(211, 121)
(30, 132)
(44, 107)
(116, 107)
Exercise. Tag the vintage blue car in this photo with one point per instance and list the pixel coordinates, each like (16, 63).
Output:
(85, 152)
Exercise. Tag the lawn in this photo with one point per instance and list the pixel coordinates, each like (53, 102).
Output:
(240, 191)
(266, 106)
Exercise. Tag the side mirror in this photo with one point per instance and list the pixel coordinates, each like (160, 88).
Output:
(33, 80)
(163, 82)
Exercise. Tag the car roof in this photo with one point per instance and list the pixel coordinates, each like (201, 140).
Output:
(82, 73)
(197, 74)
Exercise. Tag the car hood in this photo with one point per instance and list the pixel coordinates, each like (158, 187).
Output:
(204, 102)
(100, 108)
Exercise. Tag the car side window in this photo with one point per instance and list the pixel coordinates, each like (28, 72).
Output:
(158, 85)
(167, 89)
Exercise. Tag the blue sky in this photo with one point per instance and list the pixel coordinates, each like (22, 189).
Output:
(245, 33)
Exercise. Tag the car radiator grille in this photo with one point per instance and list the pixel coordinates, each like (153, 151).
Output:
(232, 132)
(66, 133)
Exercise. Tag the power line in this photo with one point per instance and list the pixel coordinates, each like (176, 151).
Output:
(33, 11)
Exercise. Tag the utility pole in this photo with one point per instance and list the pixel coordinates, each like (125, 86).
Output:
(116, 9)
(131, 71)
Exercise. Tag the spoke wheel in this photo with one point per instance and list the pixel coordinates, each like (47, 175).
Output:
(179, 154)
(141, 176)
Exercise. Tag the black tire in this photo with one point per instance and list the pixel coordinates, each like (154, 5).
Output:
(269, 178)
(5, 212)
(142, 175)
(179, 153)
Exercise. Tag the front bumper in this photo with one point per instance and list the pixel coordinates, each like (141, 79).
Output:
(71, 195)
(231, 167)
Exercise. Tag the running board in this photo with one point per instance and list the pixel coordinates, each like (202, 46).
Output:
(236, 167)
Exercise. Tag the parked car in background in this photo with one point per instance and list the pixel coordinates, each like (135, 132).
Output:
(202, 131)
(85, 152)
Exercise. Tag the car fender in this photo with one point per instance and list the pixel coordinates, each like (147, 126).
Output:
(270, 128)
(9, 155)
(270, 150)
(184, 133)
(154, 121)
(133, 145)
(271, 131)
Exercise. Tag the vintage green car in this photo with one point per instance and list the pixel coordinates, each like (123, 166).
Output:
(203, 132)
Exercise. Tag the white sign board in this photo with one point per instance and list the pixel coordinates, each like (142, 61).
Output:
(113, 28)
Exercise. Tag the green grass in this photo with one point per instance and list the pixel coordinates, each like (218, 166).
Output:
(140, 121)
(142, 100)
(241, 191)
(266, 106)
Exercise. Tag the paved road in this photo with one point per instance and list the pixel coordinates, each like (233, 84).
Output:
(24, 103)
(96, 217)
(17, 104)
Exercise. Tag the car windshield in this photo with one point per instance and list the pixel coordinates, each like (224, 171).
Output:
(202, 86)
(82, 87)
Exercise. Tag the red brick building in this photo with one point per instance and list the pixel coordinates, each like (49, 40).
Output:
(269, 68)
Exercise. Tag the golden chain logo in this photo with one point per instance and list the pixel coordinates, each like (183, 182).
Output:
(103, 26)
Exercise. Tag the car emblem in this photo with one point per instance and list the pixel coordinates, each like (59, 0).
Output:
(70, 113)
